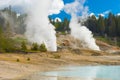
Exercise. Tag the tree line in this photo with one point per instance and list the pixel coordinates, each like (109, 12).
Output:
(106, 28)
(61, 26)
(109, 26)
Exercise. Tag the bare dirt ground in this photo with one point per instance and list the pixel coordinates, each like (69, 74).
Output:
(14, 66)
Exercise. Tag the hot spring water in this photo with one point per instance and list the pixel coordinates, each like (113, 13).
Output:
(89, 72)
(81, 73)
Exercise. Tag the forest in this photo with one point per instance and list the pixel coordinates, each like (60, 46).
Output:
(101, 26)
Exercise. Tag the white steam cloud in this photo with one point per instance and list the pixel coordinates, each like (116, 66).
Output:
(57, 19)
(39, 29)
(104, 13)
(14, 3)
(55, 7)
(77, 30)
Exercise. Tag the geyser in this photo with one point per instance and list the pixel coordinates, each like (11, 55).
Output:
(77, 30)
(39, 29)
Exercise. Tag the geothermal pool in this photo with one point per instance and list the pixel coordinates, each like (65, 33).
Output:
(82, 73)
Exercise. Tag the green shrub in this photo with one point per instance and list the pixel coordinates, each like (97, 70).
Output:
(57, 56)
(23, 46)
(18, 60)
(2, 51)
(42, 48)
(28, 59)
(8, 45)
(34, 47)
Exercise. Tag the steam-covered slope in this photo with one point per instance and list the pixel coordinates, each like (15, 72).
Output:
(68, 42)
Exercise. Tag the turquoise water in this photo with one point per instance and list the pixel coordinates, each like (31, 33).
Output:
(88, 72)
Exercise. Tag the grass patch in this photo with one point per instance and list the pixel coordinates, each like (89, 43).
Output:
(20, 39)
(56, 56)
(102, 39)
(106, 40)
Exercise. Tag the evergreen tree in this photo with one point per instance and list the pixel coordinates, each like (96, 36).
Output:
(101, 25)
(118, 25)
(111, 25)
(42, 48)
(58, 25)
(23, 46)
(91, 23)
(34, 47)
(66, 25)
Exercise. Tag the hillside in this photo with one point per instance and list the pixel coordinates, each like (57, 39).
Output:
(67, 41)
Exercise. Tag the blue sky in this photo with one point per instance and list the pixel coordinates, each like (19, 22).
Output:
(63, 15)
(95, 6)
(101, 6)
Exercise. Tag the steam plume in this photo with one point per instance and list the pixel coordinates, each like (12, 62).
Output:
(39, 28)
(77, 30)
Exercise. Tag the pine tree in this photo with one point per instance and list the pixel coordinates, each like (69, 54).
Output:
(118, 25)
(111, 25)
(23, 46)
(57, 25)
(34, 47)
(101, 25)
(66, 25)
(91, 23)
(42, 48)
